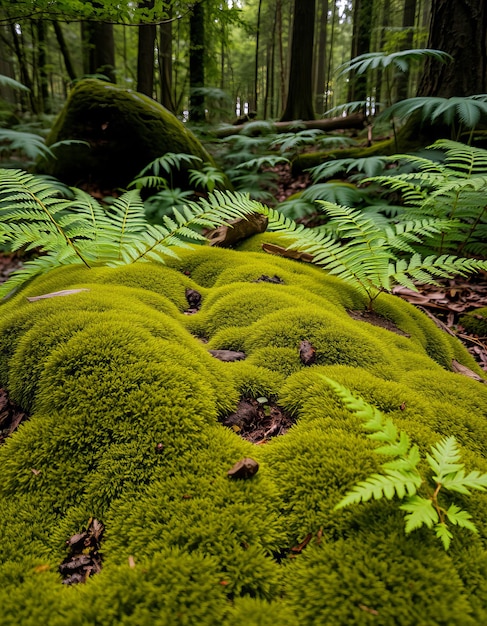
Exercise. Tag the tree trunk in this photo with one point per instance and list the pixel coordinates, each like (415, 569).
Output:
(458, 27)
(321, 60)
(256, 60)
(44, 96)
(299, 104)
(98, 49)
(408, 21)
(362, 30)
(145, 54)
(197, 63)
(64, 50)
(24, 70)
(165, 62)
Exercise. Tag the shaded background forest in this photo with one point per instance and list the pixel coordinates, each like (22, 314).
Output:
(214, 61)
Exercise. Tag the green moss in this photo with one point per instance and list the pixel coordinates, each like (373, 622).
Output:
(125, 130)
(125, 406)
(475, 322)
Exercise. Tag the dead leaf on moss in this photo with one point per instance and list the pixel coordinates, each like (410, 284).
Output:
(307, 353)
(462, 369)
(55, 294)
(243, 469)
(270, 279)
(228, 355)
(193, 298)
(289, 254)
(84, 558)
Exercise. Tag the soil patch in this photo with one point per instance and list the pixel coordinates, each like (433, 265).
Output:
(377, 320)
(258, 420)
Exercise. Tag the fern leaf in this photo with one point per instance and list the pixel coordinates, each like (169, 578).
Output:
(442, 532)
(377, 486)
(445, 458)
(397, 447)
(460, 517)
(457, 481)
(420, 512)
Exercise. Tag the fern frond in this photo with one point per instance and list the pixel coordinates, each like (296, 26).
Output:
(420, 512)
(378, 486)
(167, 163)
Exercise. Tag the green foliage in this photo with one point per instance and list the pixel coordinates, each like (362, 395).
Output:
(32, 145)
(452, 190)
(398, 60)
(402, 477)
(66, 231)
(364, 254)
(459, 113)
(207, 178)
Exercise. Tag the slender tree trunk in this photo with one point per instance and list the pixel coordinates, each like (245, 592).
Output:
(256, 61)
(98, 48)
(145, 54)
(321, 57)
(299, 104)
(44, 96)
(408, 21)
(165, 62)
(197, 63)
(362, 29)
(64, 50)
(24, 70)
(458, 27)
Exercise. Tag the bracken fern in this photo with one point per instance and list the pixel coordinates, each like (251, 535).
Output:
(68, 227)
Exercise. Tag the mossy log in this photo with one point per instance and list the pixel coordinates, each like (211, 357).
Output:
(126, 405)
(123, 131)
(355, 120)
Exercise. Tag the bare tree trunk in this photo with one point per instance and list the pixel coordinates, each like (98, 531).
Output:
(145, 56)
(64, 50)
(197, 63)
(44, 96)
(299, 104)
(321, 58)
(458, 27)
(408, 21)
(24, 70)
(362, 29)
(165, 62)
(256, 62)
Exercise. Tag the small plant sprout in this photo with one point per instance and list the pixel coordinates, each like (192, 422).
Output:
(401, 477)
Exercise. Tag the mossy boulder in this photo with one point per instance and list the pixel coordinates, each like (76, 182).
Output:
(475, 321)
(125, 131)
(126, 404)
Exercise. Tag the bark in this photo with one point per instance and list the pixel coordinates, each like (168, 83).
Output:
(408, 20)
(98, 49)
(145, 56)
(64, 50)
(321, 60)
(24, 70)
(256, 61)
(197, 63)
(458, 27)
(299, 104)
(361, 36)
(165, 62)
(356, 120)
(44, 97)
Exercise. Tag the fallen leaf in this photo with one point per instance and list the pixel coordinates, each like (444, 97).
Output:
(462, 369)
(56, 294)
(307, 353)
(289, 254)
(228, 355)
(193, 298)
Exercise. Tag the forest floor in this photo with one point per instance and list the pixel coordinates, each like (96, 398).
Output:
(445, 303)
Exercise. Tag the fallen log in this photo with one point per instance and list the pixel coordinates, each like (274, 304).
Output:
(355, 120)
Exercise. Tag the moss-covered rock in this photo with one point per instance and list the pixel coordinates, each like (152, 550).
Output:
(126, 403)
(125, 130)
(475, 322)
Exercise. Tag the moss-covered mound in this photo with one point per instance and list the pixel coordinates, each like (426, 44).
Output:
(125, 130)
(126, 404)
